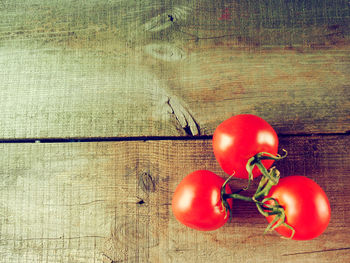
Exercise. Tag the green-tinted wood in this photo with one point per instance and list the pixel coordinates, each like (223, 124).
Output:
(147, 68)
(110, 202)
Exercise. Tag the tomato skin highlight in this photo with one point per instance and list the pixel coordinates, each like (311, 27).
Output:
(197, 201)
(306, 206)
(239, 138)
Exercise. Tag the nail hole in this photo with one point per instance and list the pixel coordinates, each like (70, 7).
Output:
(140, 202)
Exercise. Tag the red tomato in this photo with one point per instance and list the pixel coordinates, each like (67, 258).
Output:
(197, 201)
(306, 207)
(239, 138)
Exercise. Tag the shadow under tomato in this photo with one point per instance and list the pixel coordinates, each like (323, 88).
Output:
(244, 210)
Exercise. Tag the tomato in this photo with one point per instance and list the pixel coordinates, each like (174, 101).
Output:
(306, 207)
(239, 138)
(197, 201)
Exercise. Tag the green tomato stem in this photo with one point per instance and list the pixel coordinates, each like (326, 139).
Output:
(238, 196)
(269, 179)
(266, 183)
(256, 161)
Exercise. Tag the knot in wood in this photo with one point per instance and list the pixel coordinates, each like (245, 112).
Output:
(146, 182)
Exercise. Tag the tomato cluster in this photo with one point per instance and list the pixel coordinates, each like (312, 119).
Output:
(246, 146)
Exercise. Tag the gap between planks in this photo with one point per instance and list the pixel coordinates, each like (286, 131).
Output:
(149, 138)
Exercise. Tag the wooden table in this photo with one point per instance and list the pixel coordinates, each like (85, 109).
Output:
(106, 105)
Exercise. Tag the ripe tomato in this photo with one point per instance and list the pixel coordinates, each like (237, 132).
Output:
(197, 201)
(305, 204)
(239, 138)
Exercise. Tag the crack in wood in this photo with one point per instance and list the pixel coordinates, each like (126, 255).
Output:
(80, 204)
(48, 238)
(111, 260)
(185, 119)
(316, 251)
(196, 38)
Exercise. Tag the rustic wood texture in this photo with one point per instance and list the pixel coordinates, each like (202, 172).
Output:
(82, 69)
(110, 202)
(118, 69)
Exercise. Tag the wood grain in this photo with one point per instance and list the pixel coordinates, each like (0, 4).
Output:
(110, 202)
(82, 69)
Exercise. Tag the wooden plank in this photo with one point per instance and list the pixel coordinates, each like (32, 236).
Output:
(82, 69)
(80, 202)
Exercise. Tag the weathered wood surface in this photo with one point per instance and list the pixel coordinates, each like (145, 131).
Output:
(169, 68)
(100, 69)
(110, 202)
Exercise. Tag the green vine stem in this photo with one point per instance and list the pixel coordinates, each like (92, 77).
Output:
(256, 161)
(266, 206)
(266, 183)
